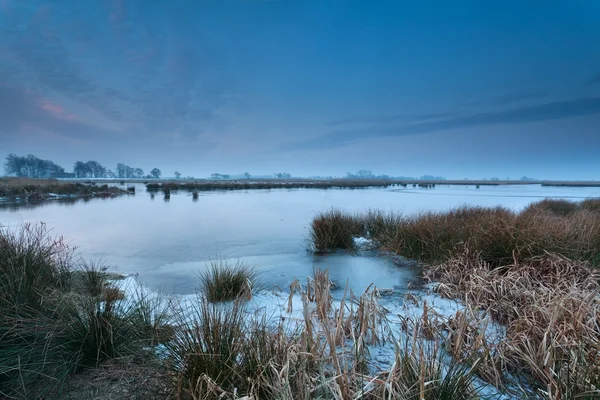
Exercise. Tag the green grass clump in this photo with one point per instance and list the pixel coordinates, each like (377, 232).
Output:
(57, 318)
(223, 281)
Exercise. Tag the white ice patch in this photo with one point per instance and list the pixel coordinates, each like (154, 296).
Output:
(279, 307)
(362, 243)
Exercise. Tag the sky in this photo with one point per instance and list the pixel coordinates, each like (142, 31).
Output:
(311, 87)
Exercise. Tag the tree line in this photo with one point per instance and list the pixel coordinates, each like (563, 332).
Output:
(31, 166)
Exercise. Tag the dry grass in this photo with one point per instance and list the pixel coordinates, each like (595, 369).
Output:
(551, 310)
(334, 229)
(535, 272)
(497, 234)
(35, 190)
(222, 352)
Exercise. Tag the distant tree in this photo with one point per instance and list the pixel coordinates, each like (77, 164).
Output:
(246, 175)
(96, 169)
(90, 169)
(121, 170)
(177, 174)
(156, 173)
(215, 176)
(365, 174)
(138, 172)
(282, 175)
(125, 171)
(225, 177)
(526, 178)
(32, 167)
(110, 174)
(79, 169)
(494, 178)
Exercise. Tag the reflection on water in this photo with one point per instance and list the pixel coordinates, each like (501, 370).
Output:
(168, 241)
(16, 206)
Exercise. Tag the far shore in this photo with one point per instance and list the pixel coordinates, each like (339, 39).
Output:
(39, 190)
(344, 182)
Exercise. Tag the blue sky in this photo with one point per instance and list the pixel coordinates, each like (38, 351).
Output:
(454, 88)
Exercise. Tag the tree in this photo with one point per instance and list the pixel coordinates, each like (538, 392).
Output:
(282, 175)
(156, 173)
(79, 169)
(32, 167)
(225, 177)
(121, 169)
(215, 176)
(177, 175)
(365, 174)
(138, 172)
(14, 165)
(246, 175)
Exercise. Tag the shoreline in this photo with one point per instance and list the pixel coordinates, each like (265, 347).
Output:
(32, 191)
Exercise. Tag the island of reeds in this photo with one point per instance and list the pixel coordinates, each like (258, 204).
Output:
(38, 190)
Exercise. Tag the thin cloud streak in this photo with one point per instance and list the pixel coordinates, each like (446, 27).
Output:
(540, 112)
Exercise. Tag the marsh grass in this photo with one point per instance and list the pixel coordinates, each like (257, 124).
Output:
(534, 272)
(567, 228)
(223, 351)
(550, 308)
(35, 190)
(294, 184)
(57, 318)
(224, 281)
(333, 230)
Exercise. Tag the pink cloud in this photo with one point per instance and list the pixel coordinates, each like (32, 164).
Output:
(56, 110)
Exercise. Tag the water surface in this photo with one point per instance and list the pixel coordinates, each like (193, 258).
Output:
(167, 242)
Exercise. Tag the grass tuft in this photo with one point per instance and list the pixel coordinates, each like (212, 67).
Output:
(56, 318)
(223, 281)
(334, 229)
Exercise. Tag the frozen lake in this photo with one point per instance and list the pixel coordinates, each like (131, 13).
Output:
(167, 243)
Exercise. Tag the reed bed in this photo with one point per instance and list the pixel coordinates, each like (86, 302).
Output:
(58, 316)
(244, 185)
(321, 350)
(567, 228)
(36, 190)
(534, 272)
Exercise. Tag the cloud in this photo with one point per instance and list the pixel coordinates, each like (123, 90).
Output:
(508, 99)
(392, 118)
(150, 71)
(535, 113)
(21, 109)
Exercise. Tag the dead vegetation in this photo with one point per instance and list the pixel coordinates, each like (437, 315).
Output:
(322, 351)
(37, 190)
(534, 272)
